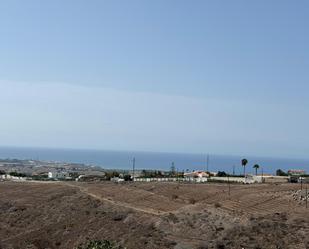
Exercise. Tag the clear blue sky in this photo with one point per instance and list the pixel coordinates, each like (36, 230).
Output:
(227, 77)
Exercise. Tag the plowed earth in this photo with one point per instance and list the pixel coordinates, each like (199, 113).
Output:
(37, 215)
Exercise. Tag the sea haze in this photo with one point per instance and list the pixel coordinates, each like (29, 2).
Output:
(153, 160)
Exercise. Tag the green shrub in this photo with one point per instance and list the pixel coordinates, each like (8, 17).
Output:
(99, 244)
(221, 174)
(17, 174)
(127, 178)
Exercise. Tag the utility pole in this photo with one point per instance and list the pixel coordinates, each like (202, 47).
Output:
(207, 160)
(228, 180)
(133, 169)
(233, 170)
(306, 195)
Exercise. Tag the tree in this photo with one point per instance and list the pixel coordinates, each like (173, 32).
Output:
(280, 172)
(256, 167)
(17, 174)
(159, 173)
(144, 173)
(109, 175)
(127, 178)
(244, 162)
(222, 174)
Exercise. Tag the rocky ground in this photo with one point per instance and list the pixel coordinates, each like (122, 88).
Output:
(153, 215)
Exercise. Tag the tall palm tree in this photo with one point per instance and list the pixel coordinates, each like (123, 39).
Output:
(256, 166)
(244, 162)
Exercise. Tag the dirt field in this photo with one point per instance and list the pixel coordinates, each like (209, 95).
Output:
(152, 215)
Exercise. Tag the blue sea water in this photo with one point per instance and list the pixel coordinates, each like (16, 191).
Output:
(153, 160)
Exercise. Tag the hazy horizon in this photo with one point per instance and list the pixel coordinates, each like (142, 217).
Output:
(112, 159)
(203, 154)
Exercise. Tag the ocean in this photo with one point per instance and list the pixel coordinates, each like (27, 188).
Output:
(153, 160)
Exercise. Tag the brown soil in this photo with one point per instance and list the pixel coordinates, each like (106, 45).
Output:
(152, 215)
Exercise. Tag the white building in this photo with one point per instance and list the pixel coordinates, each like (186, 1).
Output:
(58, 175)
(12, 178)
(196, 176)
(117, 179)
(249, 179)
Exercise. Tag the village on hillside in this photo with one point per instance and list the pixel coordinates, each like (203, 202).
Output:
(35, 170)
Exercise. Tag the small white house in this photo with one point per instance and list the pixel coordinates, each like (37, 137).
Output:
(12, 178)
(57, 175)
(196, 176)
(117, 179)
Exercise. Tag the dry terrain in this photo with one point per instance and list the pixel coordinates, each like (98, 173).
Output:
(64, 215)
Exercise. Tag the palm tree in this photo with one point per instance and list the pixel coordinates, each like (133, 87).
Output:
(256, 166)
(244, 162)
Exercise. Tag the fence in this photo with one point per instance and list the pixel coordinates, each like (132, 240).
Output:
(172, 179)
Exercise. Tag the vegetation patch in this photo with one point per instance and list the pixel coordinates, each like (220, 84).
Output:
(100, 244)
(192, 201)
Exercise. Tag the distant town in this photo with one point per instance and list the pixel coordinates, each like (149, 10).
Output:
(37, 170)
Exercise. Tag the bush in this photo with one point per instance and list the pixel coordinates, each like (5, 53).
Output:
(120, 216)
(40, 177)
(221, 174)
(217, 205)
(192, 201)
(280, 172)
(109, 175)
(127, 178)
(17, 174)
(151, 174)
(172, 217)
(100, 244)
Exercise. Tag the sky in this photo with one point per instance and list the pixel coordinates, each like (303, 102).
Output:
(224, 77)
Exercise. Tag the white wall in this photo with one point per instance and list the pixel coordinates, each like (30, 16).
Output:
(171, 179)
